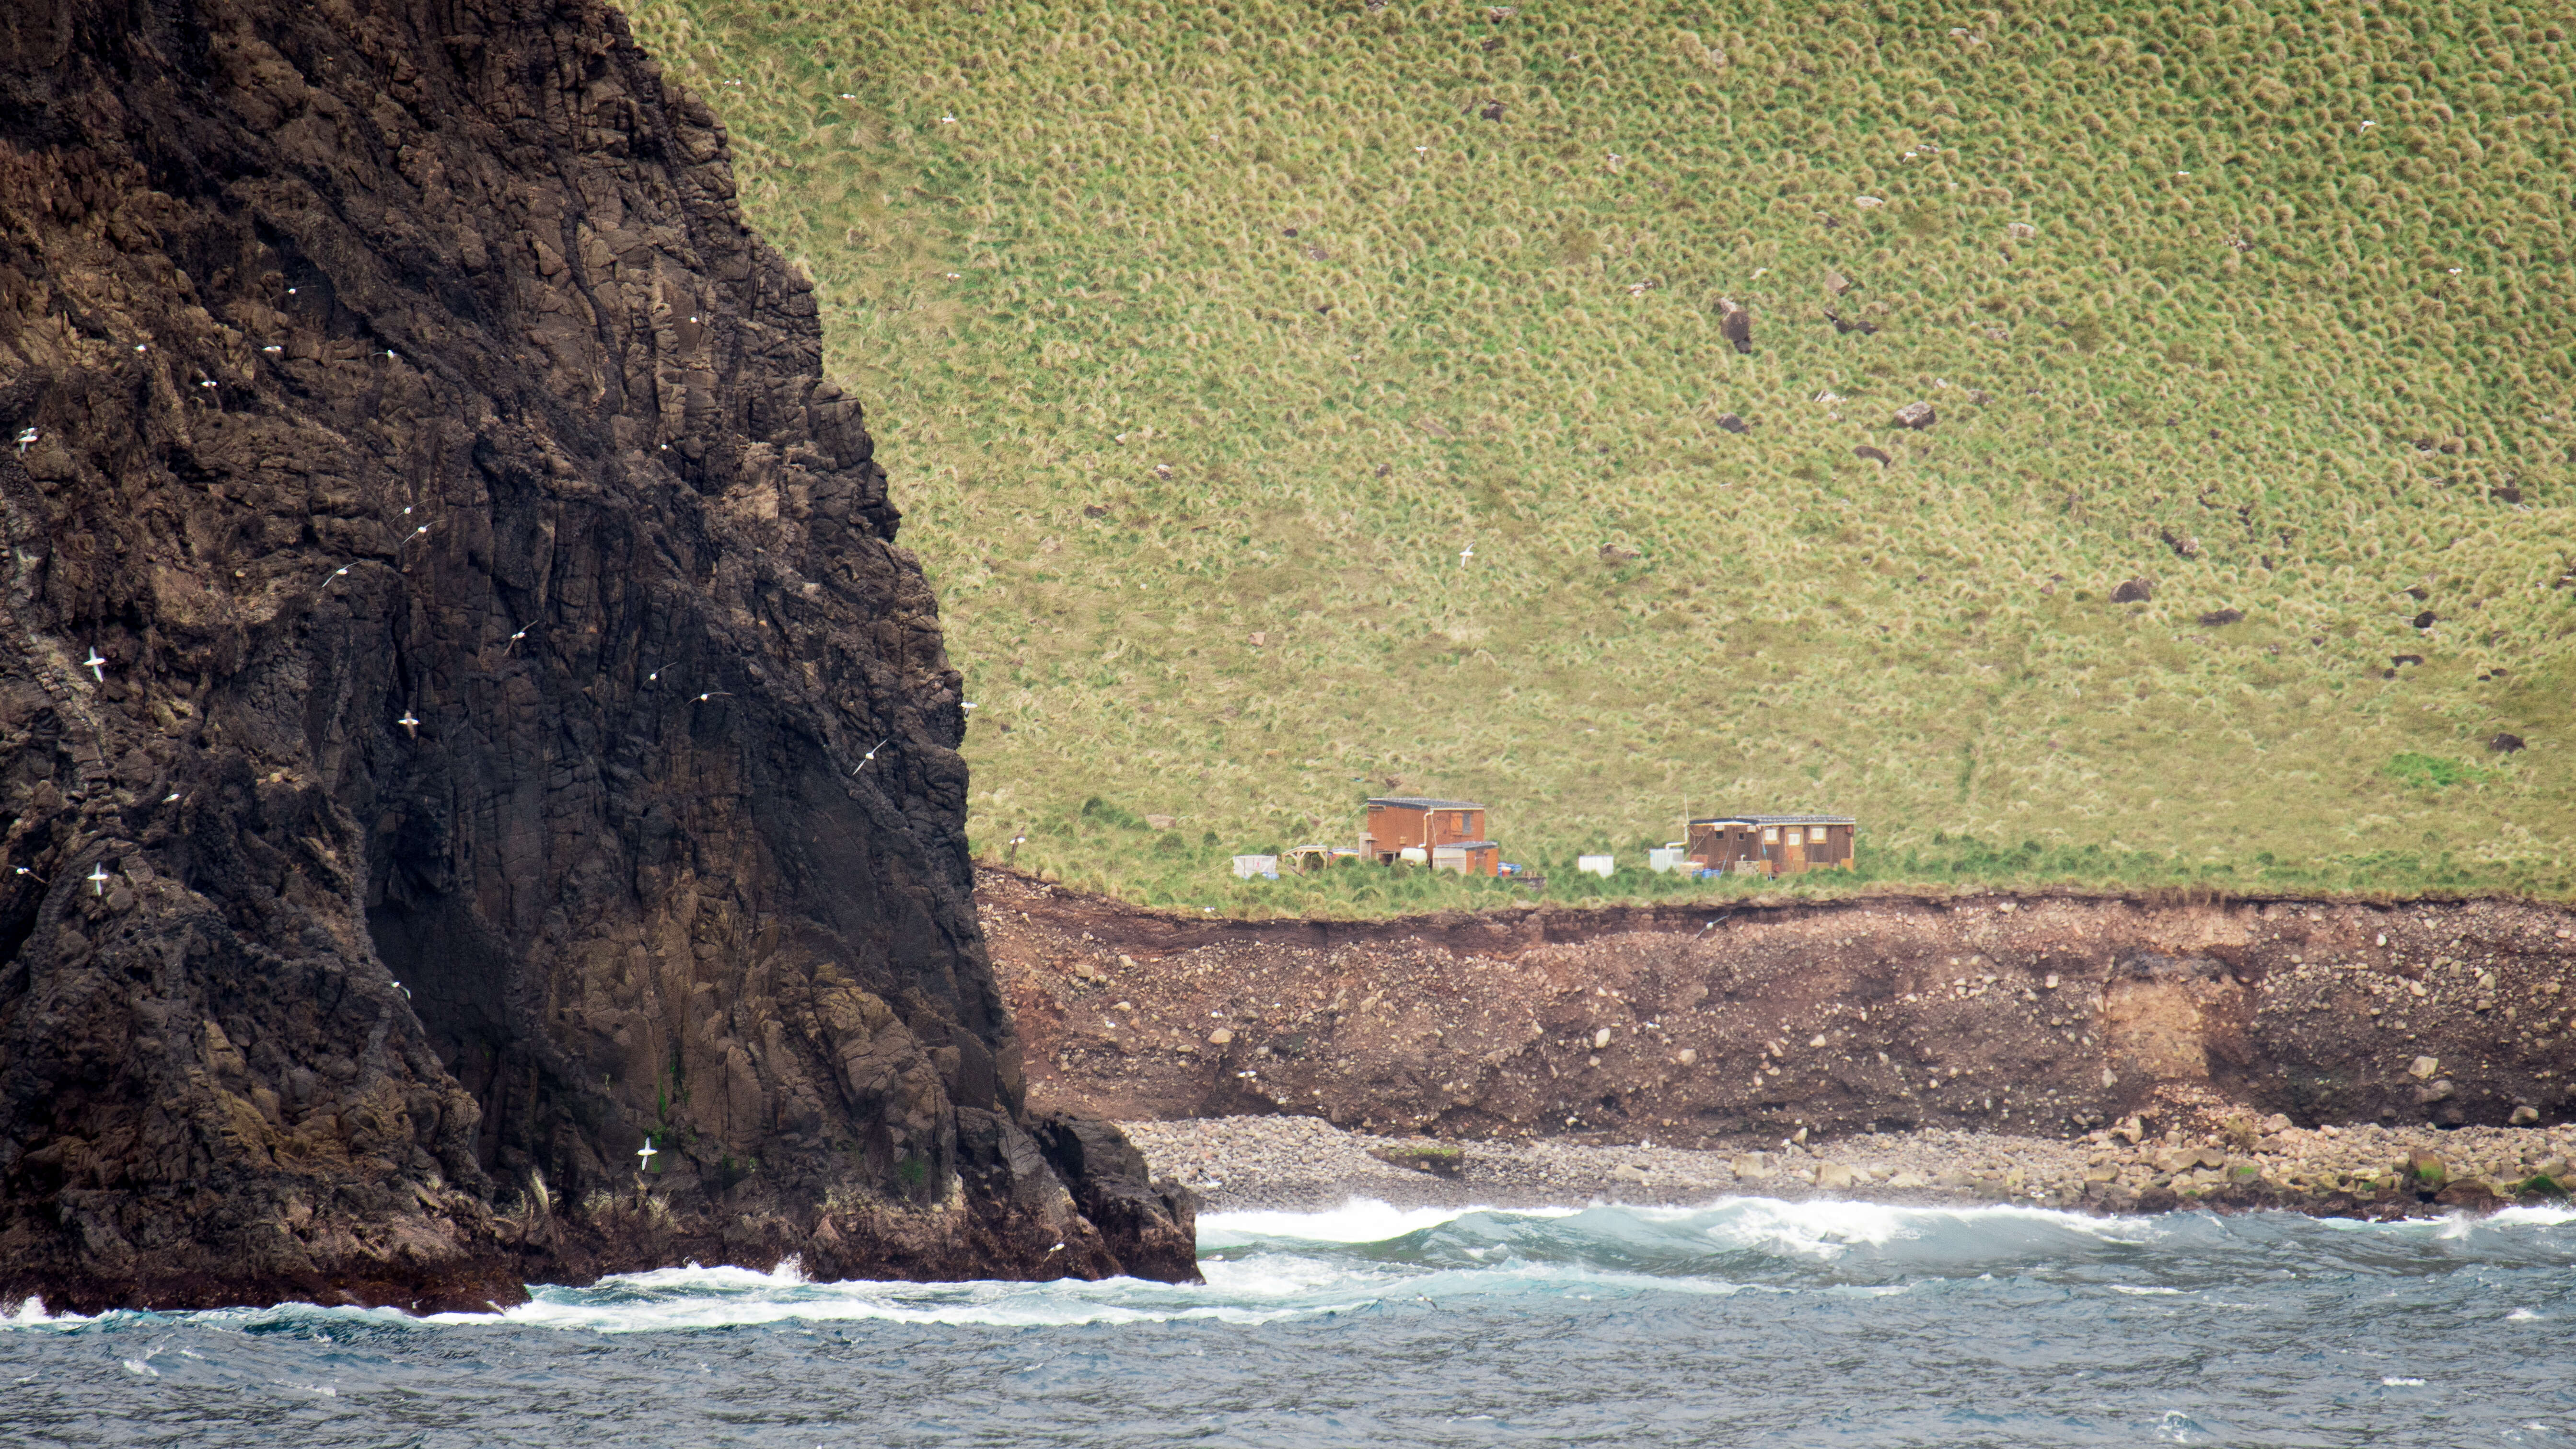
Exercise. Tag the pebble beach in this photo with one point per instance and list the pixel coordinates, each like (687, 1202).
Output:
(1288, 1163)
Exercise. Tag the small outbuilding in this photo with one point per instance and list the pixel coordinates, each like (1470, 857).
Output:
(1772, 844)
(1468, 857)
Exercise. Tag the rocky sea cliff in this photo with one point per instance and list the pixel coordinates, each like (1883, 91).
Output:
(479, 791)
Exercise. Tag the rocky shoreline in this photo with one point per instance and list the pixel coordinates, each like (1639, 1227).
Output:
(1290, 1163)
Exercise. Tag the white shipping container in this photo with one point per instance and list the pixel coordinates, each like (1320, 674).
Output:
(1600, 865)
(1665, 860)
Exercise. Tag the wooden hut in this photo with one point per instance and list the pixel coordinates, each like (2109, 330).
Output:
(1398, 823)
(1772, 844)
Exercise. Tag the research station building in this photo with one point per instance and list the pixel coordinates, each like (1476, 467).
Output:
(1771, 844)
(1448, 834)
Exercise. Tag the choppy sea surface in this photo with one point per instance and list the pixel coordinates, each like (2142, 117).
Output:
(1748, 1321)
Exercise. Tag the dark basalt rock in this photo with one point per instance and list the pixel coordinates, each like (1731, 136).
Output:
(447, 614)
(1118, 1193)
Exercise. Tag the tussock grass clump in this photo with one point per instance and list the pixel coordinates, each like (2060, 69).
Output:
(1296, 401)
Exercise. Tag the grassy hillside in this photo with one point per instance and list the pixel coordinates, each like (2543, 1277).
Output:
(1295, 401)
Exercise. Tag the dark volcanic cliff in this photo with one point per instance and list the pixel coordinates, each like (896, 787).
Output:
(446, 615)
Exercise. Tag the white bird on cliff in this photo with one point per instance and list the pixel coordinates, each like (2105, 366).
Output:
(26, 440)
(98, 879)
(96, 664)
(870, 755)
(22, 870)
(713, 694)
(338, 573)
(410, 724)
(656, 676)
(515, 638)
(644, 1156)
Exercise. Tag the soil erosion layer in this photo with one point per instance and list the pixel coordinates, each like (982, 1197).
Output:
(445, 615)
(2035, 1014)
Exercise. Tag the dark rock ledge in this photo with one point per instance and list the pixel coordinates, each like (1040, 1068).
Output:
(443, 610)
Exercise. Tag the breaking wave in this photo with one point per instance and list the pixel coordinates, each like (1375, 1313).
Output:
(1745, 1320)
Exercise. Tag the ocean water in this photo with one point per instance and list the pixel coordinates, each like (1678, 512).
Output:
(1748, 1321)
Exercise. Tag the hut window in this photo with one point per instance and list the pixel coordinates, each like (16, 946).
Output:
(1771, 835)
(1796, 837)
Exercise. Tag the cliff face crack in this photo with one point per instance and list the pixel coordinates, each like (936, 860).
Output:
(438, 469)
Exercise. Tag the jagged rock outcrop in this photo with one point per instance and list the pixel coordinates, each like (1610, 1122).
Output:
(446, 621)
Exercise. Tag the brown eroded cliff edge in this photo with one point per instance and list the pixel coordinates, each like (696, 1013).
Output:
(2037, 1014)
(444, 614)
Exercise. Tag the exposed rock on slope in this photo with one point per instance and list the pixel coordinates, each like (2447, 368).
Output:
(2044, 1014)
(443, 611)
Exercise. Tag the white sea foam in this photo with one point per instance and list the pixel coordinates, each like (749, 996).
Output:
(2454, 1224)
(1828, 1228)
(681, 1299)
(1263, 1267)
(2537, 1217)
(1357, 1220)
(693, 1276)
(32, 1314)
(1274, 1275)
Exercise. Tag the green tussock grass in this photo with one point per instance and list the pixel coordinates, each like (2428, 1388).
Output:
(2183, 314)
